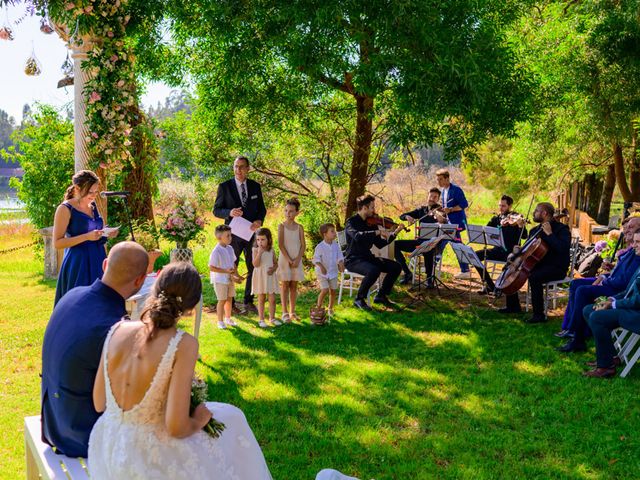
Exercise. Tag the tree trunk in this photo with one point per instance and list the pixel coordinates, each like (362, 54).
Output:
(621, 176)
(361, 152)
(607, 195)
(594, 192)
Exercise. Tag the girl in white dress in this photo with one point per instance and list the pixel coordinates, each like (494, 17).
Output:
(292, 246)
(143, 386)
(263, 282)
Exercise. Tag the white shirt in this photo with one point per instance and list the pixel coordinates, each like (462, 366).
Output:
(239, 187)
(328, 254)
(445, 197)
(221, 257)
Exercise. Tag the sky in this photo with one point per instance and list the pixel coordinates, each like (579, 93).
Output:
(17, 88)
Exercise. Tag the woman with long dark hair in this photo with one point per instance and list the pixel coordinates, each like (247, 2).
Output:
(78, 228)
(143, 386)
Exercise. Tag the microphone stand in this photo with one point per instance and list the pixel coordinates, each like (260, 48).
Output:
(126, 210)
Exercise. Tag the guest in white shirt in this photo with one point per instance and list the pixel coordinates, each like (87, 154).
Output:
(222, 265)
(328, 260)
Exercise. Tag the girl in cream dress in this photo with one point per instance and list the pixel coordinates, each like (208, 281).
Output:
(264, 283)
(292, 247)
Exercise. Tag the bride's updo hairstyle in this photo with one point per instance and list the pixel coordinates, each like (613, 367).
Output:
(177, 290)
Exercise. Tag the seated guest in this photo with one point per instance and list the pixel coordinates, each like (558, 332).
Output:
(72, 345)
(428, 213)
(359, 258)
(513, 230)
(622, 310)
(583, 292)
(630, 226)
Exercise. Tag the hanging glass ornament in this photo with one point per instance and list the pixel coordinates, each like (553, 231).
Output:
(6, 33)
(32, 66)
(45, 26)
(67, 67)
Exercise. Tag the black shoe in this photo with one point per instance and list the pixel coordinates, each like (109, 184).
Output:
(430, 285)
(564, 334)
(238, 309)
(383, 300)
(507, 310)
(536, 319)
(572, 346)
(407, 279)
(362, 304)
(250, 308)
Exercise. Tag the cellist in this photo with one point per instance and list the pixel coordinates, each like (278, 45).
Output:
(553, 266)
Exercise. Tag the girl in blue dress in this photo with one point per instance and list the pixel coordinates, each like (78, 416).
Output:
(78, 228)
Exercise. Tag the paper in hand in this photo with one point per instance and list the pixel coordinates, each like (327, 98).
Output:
(107, 230)
(241, 227)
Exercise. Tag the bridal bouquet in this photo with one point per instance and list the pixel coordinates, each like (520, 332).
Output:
(199, 391)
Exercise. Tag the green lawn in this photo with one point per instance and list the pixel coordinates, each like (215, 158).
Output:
(452, 391)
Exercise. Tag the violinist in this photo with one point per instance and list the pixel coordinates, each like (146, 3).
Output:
(513, 229)
(552, 266)
(429, 213)
(360, 237)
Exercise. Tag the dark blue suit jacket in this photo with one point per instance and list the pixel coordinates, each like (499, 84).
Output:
(228, 198)
(456, 198)
(70, 356)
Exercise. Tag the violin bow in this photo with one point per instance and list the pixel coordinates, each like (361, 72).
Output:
(526, 219)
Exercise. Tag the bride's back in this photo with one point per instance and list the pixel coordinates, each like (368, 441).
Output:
(133, 358)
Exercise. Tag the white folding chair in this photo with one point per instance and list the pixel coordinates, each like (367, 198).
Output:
(628, 346)
(558, 288)
(493, 270)
(351, 280)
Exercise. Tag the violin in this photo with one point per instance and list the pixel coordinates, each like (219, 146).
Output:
(385, 222)
(512, 219)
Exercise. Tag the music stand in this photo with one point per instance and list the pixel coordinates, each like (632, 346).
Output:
(486, 236)
(423, 249)
(433, 230)
(466, 254)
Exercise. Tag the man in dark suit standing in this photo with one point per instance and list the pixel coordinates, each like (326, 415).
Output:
(241, 197)
(73, 343)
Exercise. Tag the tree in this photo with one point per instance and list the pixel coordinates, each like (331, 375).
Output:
(434, 71)
(44, 149)
(7, 124)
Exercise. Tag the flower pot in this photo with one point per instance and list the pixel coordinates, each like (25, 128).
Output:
(153, 256)
(181, 255)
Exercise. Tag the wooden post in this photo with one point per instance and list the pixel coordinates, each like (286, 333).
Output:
(572, 205)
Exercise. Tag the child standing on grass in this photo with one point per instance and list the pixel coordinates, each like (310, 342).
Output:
(222, 265)
(329, 260)
(292, 245)
(264, 282)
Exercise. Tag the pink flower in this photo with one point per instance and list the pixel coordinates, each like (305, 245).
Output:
(120, 83)
(110, 34)
(114, 58)
(94, 97)
(88, 9)
(94, 134)
(103, 165)
(69, 6)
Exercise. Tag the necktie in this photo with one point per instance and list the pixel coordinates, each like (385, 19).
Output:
(243, 195)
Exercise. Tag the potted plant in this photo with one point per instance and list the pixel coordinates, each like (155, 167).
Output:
(182, 224)
(147, 235)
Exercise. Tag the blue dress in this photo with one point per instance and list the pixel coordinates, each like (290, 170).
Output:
(82, 263)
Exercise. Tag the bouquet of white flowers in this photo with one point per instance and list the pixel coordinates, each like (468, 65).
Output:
(199, 391)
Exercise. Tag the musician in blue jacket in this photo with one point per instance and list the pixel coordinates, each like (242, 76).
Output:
(73, 343)
(622, 310)
(453, 203)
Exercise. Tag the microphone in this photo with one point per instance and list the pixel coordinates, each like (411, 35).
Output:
(122, 194)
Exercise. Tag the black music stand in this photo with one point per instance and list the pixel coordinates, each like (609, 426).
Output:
(423, 249)
(444, 232)
(486, 236)
(466, 254)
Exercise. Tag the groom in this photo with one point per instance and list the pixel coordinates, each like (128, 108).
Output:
(73, 343)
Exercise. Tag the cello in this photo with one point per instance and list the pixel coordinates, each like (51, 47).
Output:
(521, 261)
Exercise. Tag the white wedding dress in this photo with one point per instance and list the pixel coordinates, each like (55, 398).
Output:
(134, 444)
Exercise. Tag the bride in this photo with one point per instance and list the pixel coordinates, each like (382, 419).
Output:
(143, 387)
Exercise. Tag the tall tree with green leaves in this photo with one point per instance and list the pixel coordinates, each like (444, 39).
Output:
(435, 71)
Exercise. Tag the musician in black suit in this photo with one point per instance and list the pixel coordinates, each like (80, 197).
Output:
(553, 266)
(241, 197)
(513, 230)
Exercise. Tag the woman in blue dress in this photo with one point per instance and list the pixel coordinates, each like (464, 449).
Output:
(78, 228)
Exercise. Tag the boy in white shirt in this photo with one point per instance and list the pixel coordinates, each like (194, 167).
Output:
(328, 260)
(222, 265)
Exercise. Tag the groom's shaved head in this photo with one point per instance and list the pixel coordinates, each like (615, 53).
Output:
(126, 262)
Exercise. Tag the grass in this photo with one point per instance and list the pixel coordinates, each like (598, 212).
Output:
(449, 392)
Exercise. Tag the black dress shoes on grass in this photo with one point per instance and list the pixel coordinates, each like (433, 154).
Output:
(362, 304)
